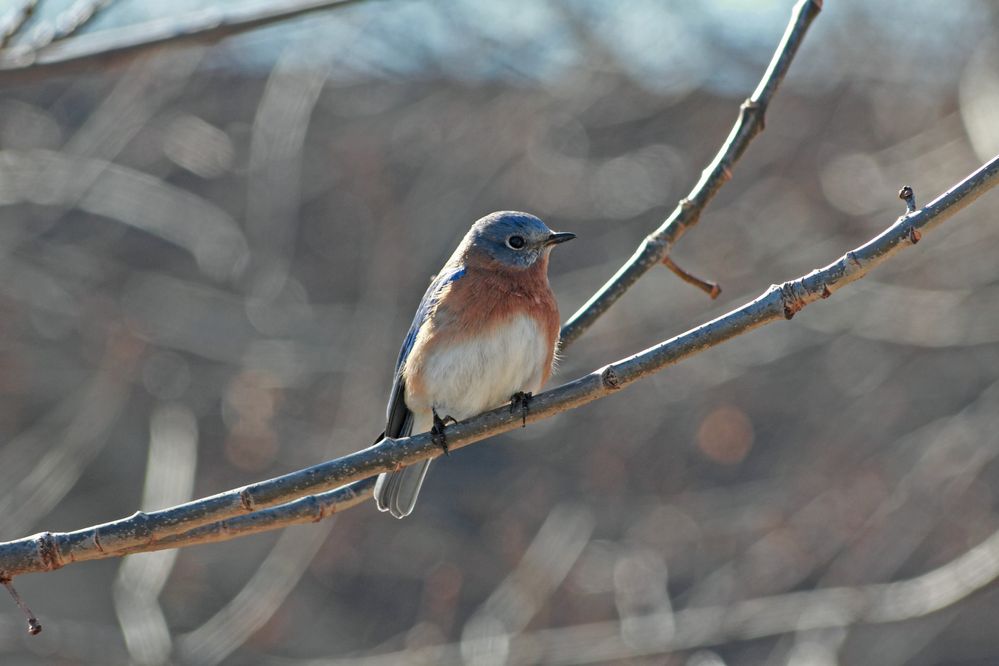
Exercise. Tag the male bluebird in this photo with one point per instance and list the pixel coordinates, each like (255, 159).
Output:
(484, 334)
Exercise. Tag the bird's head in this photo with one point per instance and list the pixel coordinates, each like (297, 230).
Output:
(511, 239)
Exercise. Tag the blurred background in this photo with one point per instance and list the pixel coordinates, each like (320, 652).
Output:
(209, 256)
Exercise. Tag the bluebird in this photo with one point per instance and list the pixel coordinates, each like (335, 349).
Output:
(484, 334)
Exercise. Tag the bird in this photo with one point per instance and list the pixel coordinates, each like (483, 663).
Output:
(484, 334)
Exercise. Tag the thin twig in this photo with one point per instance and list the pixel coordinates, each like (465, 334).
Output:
(48, 551)
(34, 626)
(108, 47)
(712, 289)
(656, 246)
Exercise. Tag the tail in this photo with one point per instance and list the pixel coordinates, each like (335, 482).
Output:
(396, 492)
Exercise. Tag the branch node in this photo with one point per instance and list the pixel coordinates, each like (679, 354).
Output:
(246, 500)
(754, 108)
(914, 235)
(791, 297)
(853, 259)
(317, 508)
(909, 197)
(34, 626)
(609, 378)
(47, 551)
(825, 291)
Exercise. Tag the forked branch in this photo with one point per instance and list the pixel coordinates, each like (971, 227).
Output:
(656, 246)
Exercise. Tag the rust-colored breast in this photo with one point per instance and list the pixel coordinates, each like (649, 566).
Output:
(490, 294)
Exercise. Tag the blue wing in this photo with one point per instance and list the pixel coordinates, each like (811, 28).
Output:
(398, 417)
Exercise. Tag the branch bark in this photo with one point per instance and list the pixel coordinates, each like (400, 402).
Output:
(656, 246)
(180, 525)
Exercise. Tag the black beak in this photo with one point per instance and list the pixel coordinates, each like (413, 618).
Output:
(559, 237)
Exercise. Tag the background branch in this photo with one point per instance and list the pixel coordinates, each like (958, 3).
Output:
(65, 25)
(48, 551)
(112, 47)
(605, 642)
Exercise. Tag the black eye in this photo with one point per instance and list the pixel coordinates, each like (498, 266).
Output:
(515, 242)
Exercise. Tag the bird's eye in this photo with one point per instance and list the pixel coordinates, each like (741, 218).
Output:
(515, 242)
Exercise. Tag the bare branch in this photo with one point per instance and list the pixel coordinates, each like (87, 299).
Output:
(656, 245)
(48, 551)
(109, 47)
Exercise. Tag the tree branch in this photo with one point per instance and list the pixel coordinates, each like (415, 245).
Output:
(108, 47)
(48, 551)
(655, 248)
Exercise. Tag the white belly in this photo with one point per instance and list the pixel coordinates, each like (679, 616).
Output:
(471, 377)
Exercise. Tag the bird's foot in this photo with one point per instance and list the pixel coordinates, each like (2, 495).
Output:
(437, 432)
(521, 401)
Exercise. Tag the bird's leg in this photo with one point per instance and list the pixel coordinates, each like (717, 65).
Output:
(521, 400)
(440, 439)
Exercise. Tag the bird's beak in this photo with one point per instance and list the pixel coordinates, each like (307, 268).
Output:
(559, 237)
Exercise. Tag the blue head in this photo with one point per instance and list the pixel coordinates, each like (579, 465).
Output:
(512, 239)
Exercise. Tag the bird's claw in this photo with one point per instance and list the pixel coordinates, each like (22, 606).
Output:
(521, 400)
(437, 432)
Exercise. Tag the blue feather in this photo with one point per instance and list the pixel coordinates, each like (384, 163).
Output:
(397, 412)
(430, 299)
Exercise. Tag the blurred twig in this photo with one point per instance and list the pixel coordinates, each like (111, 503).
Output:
(65, 25)
(256, 602)
(48, 551)
(545, 564)
(172, 457)
(655, 248)
(82, 438)
(602, 642)
(279, 129)
(174, 214)
(113, 46)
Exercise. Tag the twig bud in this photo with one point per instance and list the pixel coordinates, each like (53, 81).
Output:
(909, 197)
